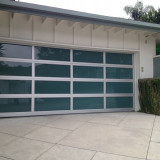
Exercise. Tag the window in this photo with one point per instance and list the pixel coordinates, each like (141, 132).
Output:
(119, 102)
(88, 87)
(15, 68)
(55, 54)
(15, 51)
(119, 87)
(15, 104)
(119, 73)
(119, 58)
(88, 103)
(15, 87)
(52, 87)
(52, 70)
(87, 72)
(87, 56)
(51, 104)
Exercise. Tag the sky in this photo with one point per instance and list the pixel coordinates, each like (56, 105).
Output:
(113, 8)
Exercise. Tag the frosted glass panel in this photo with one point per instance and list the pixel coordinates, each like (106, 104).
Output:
(119, 87)
(119, 73)
(55, 54)
(119, 58)
(52, 87)
(88, 103)
(51, 70)
(119, 102)
(15, 68)
(15, 51)
(87, 56)
(15, 87)
(15, 104)
(87, 72)
(51, 104)
(88, 87)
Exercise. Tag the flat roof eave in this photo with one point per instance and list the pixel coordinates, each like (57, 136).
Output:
(39, 10)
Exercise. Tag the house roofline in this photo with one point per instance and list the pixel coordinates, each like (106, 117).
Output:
(45, 11)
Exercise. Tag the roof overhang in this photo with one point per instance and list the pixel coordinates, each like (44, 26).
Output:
(45, 11)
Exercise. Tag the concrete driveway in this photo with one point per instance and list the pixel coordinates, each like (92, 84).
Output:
(100, 136)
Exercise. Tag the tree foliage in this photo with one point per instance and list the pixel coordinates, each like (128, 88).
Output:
(139, 12)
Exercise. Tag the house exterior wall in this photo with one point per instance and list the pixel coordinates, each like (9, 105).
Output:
(26, 29)
(34, 28)
(147, 52)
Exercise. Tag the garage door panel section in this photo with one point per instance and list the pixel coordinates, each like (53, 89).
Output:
(52, 104)
(52, 70)
(87, 72)
(87, 56)
(13, 68)
(88, 87)
(52, 87)
(15, 105)
(82, 103)
(88, 80)
(119, 102)
(119, 76)
(119, 58)
(119, 73)
(52, 54)
(15, 86)
(15, 51)
(119, 87)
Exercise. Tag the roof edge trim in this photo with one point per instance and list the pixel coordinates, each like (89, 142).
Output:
(52, 12)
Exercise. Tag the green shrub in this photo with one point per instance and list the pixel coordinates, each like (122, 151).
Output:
(158, 49)
(149, 95)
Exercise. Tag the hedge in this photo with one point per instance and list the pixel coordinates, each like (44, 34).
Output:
(149, 95)
(158, 49)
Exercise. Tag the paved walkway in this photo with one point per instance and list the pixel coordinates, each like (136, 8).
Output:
(100, 136)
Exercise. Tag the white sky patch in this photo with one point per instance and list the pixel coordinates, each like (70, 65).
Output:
(113, 8)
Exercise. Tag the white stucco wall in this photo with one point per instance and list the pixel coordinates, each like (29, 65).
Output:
(27, 29)
(34, 28)
(147, 52)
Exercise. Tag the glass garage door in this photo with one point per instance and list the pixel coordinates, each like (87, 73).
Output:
(35, 80)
